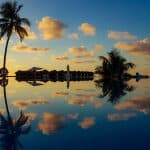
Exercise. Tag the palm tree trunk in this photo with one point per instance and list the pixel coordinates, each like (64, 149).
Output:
(5, 54)
(6, 104)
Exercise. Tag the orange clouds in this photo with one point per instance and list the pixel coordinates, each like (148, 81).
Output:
(138, 47)
(51, 28)
(51, 122)
(87, 29)
(141, 104)
(78, 101)
(59, 58)
(1, 41)
(98, 47)
(121, 36)
(118, 117)
(83, 52)
(83, 99)
(22, 104)
(31, 34)
(83, 62)
(87, 122)
(22, 47)
(31, 116)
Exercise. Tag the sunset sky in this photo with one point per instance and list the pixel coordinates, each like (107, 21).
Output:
(76, 32)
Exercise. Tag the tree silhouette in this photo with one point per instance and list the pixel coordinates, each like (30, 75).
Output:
(115, 66)
(10, 22)
(114, 89)
(12, 129)
(114, 76)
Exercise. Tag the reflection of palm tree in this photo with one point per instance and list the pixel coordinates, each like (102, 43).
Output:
(11, 21)
(114, 89)
(11, 129)
(115, 66)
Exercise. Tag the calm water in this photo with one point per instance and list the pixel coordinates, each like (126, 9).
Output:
(79, 118)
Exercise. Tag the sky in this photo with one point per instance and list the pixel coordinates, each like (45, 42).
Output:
(77, 32)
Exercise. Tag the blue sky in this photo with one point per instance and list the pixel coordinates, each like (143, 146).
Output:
(118, 16)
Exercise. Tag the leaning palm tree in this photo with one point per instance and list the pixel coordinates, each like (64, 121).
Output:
(115, 66)
(10, 22)
(12, 129)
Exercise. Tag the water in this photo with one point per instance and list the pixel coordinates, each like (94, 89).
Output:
(79, 118)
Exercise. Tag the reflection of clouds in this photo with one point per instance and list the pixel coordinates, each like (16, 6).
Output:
(84, 90)
(60, 94)
(83, 99)
(73, 116)
(51, 122)
(86, 96)
(87, 122)
(118, 117)
(31, 116)
(78, 101)
(98, 104)
(141, 104)
(2, 110)
(22, 104)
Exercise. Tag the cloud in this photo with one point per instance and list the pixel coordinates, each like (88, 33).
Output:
(59, 94)
(83, 62)
(62, 93)
(51, 28)
(78, 101)
(22, 47)
(98, 104)
(74, 36)
(31, 116)
(59, 58)
(82, 99)
(73, 116)
(87, 122)
(31, 34)
(51, 122)
(22, 104)
(118, 117)
(87, 29)
(121, 36)
(138, 47)
(81, 52)
(141, 104)
(1, 40)
(2, 110)
(98, 47)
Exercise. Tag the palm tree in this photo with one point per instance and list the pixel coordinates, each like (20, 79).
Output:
(11, 129)
(115, 66)
(10, 22)
(113, 89)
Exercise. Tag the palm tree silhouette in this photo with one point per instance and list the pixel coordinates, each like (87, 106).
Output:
(114, 89)
(12, 129)
(115, 66)
(10, 22)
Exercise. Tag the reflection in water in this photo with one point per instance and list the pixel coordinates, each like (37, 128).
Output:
(87, 122)
(114, 89)
(141, 104)
(51, 122)
(12, 129)
(121, 117)
(76, 115)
